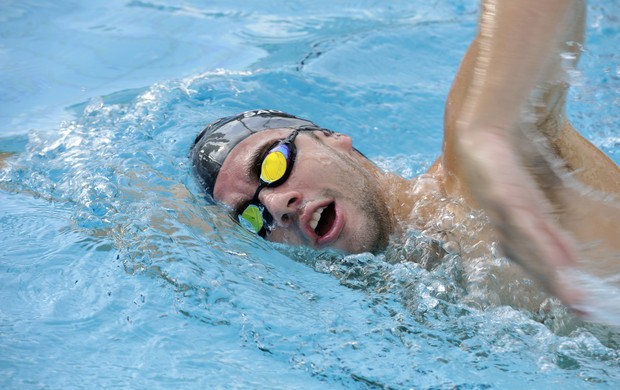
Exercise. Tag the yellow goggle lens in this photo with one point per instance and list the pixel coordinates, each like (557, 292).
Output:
(274, 167)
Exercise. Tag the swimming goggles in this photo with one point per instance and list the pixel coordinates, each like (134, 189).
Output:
(275, 169)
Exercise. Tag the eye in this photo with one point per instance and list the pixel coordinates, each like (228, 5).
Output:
(262, 154)
(252, 218)
(275, 164)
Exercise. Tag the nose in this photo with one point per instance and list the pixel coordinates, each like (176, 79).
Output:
(282, 204)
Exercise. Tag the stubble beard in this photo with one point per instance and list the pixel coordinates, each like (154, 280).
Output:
(366, 196)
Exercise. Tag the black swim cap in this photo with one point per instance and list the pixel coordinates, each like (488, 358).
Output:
(218, 139)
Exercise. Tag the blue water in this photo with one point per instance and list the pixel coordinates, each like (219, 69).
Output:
(114, 272)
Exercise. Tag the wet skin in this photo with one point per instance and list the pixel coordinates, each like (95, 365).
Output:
(538, 198)
(514, 152)
(329, 182)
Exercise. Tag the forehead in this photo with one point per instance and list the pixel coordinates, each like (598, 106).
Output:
(235, 182)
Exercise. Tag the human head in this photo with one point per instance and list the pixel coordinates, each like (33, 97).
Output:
(218, 139)
(331, 179)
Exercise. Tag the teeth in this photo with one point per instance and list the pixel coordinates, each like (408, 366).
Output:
(316, 217)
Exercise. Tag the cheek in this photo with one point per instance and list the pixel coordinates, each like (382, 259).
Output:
(228, 188)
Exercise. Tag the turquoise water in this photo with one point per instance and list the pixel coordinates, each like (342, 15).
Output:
(115, 272)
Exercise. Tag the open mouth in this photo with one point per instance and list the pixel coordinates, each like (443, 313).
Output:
(323, 219)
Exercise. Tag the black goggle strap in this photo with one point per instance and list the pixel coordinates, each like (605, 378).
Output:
(275, 169)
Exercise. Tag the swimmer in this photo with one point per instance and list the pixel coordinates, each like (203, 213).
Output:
(550, 196)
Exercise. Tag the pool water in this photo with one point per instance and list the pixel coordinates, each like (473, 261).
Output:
(116, 272)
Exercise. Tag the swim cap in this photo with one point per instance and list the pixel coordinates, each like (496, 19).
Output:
(218, 139)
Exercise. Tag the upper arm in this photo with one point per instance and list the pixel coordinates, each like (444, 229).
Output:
(472, 79)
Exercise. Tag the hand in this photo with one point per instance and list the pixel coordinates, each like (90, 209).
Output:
(523, 217)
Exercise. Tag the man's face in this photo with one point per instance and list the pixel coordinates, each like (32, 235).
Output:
(329, 199)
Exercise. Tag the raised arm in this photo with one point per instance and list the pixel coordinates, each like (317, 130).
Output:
(517, 47)
(549, 50)
(508, 146)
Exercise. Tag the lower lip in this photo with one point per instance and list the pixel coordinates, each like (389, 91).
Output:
(335, 230)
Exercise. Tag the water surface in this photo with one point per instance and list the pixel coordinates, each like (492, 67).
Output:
(115, 271)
